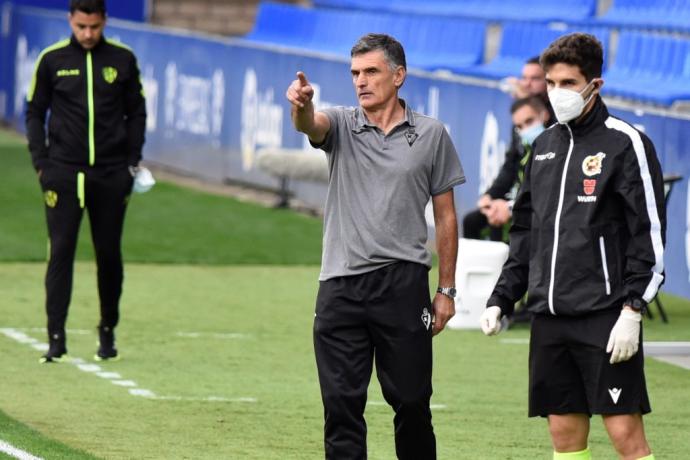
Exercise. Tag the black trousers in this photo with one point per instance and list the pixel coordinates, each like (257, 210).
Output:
(475, 226)
(383, 316)
(67, 192)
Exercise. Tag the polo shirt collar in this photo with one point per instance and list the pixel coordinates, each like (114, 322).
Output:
(362, 123)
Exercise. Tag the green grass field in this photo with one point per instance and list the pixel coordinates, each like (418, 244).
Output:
(216, 332)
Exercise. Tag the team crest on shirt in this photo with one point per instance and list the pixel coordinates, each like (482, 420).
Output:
(51, 198)
(411, 136)
(109, 74)
(591, 165)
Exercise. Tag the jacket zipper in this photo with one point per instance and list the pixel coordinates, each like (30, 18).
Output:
(91, 115)
(557, 226)
(604, 265)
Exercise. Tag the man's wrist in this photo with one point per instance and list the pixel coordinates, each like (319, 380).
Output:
(448, 291)
(635, 304)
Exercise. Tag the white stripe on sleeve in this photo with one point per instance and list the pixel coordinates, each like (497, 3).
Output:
(650, 201)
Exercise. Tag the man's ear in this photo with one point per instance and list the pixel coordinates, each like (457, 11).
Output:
(400, 74)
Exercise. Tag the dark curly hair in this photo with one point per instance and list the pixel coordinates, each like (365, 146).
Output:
(578, 49)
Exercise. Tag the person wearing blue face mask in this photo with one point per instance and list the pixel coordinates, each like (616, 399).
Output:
(529, 115)
(587, 244)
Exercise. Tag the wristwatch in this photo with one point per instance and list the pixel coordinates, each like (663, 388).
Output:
(636, 304)
(447, 291)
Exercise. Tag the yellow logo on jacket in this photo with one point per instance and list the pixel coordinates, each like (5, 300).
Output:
(109, 74)
(51, 198)
(591, 166)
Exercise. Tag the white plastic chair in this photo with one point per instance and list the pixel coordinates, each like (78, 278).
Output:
(478, 268)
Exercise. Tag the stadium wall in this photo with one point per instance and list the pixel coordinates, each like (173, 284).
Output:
(214, 103)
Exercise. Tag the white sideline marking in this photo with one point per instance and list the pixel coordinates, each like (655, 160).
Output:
(113, 377)
(213, 335)
(67, 331)
(12, 451)
(142, 392)
(109, 375)
(89, 367)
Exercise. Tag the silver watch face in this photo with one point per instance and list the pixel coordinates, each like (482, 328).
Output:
(447, 291)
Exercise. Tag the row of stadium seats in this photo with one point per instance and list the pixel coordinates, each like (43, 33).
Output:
(431, 42)
(648, 67)
(671, 15)
(523, 40)
(493, 10)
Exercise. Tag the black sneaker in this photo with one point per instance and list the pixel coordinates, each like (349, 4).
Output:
(57, 351)
(106, 345)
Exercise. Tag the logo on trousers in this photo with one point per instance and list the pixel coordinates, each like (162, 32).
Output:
(426, 318)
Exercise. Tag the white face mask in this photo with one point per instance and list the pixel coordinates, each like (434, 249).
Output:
(568, 104)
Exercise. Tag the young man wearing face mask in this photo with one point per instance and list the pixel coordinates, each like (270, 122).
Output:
(588, 247)
(529, 116)
(493, 207)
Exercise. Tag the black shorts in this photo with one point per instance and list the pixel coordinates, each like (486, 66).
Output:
(569, 369)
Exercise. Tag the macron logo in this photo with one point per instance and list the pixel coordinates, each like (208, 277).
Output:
(615, 394)
(545, 156)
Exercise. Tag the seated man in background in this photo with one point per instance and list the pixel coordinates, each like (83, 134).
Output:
(529, 115)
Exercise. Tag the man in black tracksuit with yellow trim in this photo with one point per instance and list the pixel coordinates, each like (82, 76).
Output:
(92, 90)
(587, 244)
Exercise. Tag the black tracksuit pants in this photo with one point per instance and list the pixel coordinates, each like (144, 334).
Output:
(68, 190)
(383, 316)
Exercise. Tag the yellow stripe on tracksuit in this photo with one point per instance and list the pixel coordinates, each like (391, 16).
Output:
(81, 193)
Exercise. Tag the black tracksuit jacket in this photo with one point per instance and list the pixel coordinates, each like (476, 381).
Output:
(96, 102)
(589, 221)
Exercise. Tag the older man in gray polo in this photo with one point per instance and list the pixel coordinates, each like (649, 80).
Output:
(385, 162)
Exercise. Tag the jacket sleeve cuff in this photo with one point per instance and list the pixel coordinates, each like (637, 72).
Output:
(636, 303)
(40, 163)
(507, 306)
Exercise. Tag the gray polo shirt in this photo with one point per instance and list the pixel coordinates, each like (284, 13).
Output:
(378, 188)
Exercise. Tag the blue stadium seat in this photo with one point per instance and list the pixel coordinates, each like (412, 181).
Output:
(519, 42)
(493, 10)
(523, 40)
(282, 24)
(651, 14)
(431, 42)
(650, 68)
(434, 43)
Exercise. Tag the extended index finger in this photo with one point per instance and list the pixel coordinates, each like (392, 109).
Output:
(302, 78)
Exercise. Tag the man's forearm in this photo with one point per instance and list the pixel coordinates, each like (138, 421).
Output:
(303, 118)
(447, 247)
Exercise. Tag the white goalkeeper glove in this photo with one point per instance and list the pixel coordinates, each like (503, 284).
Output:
(143, 180)
(490, 320)
(625, 336)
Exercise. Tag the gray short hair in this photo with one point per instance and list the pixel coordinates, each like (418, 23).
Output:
(393, 51)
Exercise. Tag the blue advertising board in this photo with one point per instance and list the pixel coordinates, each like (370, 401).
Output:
(213, 104)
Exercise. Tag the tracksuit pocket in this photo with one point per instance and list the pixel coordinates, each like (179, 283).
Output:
(604, 264)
